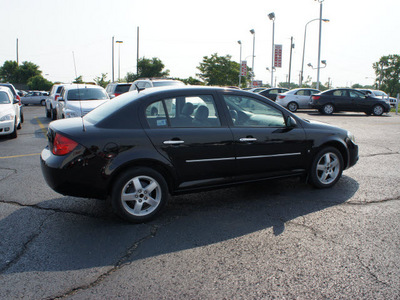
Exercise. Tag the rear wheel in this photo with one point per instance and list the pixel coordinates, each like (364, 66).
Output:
(327, 168)
(43, 102)
(139, 194)
(53, 114)
(292, 106)
(14, 134)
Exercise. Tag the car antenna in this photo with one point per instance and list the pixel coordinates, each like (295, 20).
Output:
(80, 102)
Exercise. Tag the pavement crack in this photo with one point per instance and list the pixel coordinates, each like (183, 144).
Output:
(381, 154)
(370, 272)
(123, 261)
(56, 210)
(25, 246)
(371, 202)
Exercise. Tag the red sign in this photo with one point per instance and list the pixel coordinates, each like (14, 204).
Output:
(243, 68)
(278, 56)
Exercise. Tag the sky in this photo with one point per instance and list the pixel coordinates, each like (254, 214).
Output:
(51, 33)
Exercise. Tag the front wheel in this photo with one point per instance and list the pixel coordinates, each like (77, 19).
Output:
(292, 106)
(327, 168)
(139, 194)
(377, 110)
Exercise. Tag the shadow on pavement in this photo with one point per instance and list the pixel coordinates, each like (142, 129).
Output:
(53, 240)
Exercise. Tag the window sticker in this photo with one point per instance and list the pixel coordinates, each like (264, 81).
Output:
(162, 122)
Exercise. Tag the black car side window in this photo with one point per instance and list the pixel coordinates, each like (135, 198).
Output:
(249, 112)
(156, 114)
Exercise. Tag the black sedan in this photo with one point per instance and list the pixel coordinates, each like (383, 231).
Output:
(337, 100)
(200, 138)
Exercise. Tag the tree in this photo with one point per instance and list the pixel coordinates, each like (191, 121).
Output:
(148, 68)
(78, 79)
(27, 70)
(102, 80)
(9, 71)
(219, 70)
(387, 71)
(40, 83)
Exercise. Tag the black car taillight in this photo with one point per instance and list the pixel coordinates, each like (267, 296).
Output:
(315, 97)
(63, 145)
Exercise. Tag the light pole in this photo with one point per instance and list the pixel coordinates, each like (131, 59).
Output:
(112, 59)
(240, 65)
(119, 59)
(319, 43)
(271, 16)
(304, 48)
(252, 64)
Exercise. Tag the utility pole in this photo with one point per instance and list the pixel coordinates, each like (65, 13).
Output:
(17, 54)
(112, 60)
(290, 60)
(137, 52)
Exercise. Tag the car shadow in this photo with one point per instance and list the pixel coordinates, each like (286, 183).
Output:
(74, 238)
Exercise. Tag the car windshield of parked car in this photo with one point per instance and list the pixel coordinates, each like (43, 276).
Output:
(166, 83)
(380, 94)
(4, 99)
(86, 94)
(250, 112)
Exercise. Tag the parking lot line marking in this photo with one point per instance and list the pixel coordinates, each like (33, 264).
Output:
(21, 155)
(42, 127)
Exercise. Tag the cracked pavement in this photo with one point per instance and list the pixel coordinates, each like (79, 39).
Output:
(277, 239)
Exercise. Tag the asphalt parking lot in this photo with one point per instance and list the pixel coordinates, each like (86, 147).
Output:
(276, 239)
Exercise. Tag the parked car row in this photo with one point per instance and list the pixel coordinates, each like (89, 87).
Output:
(35, 98)
(334, 100)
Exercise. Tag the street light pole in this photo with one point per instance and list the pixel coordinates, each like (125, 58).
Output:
(319, 43)
(119, 59)
(112, 59)
(252, 64)
(304, 49)
(240, 65)
(271, 16)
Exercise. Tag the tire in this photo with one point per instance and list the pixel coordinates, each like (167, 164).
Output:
(43, 102)
(14, 134)
(377, 110)
(292, 106)
(22, 118)
(53, 114)
(328, 109)
(139, 194)
(326, 168)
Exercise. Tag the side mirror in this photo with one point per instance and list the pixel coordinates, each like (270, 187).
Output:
(60, 99)
(291, 122)
(15, 101)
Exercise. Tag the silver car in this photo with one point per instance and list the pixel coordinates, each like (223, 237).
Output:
(296, 98)
(35, 97)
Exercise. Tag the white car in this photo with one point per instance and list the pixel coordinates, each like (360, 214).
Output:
(51, 101)
(296, 98)
(76, 100)
(10, 115)
(380, 94)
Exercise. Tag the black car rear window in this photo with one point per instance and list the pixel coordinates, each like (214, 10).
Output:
(86, 94)
(122, 88)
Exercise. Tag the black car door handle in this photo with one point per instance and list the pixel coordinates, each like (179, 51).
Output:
(173, 142)
(246, 140)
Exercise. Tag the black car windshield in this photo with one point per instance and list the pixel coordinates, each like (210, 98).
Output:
(110, 107)
(86, 94)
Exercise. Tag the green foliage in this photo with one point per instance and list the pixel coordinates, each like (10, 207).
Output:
(78, 79)
(9, 72)
(18, 74)
(191, 81)
(102, 80)
(387, 71)
(286, 85)
(40, 83)
(219, 70)
(148, 68)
